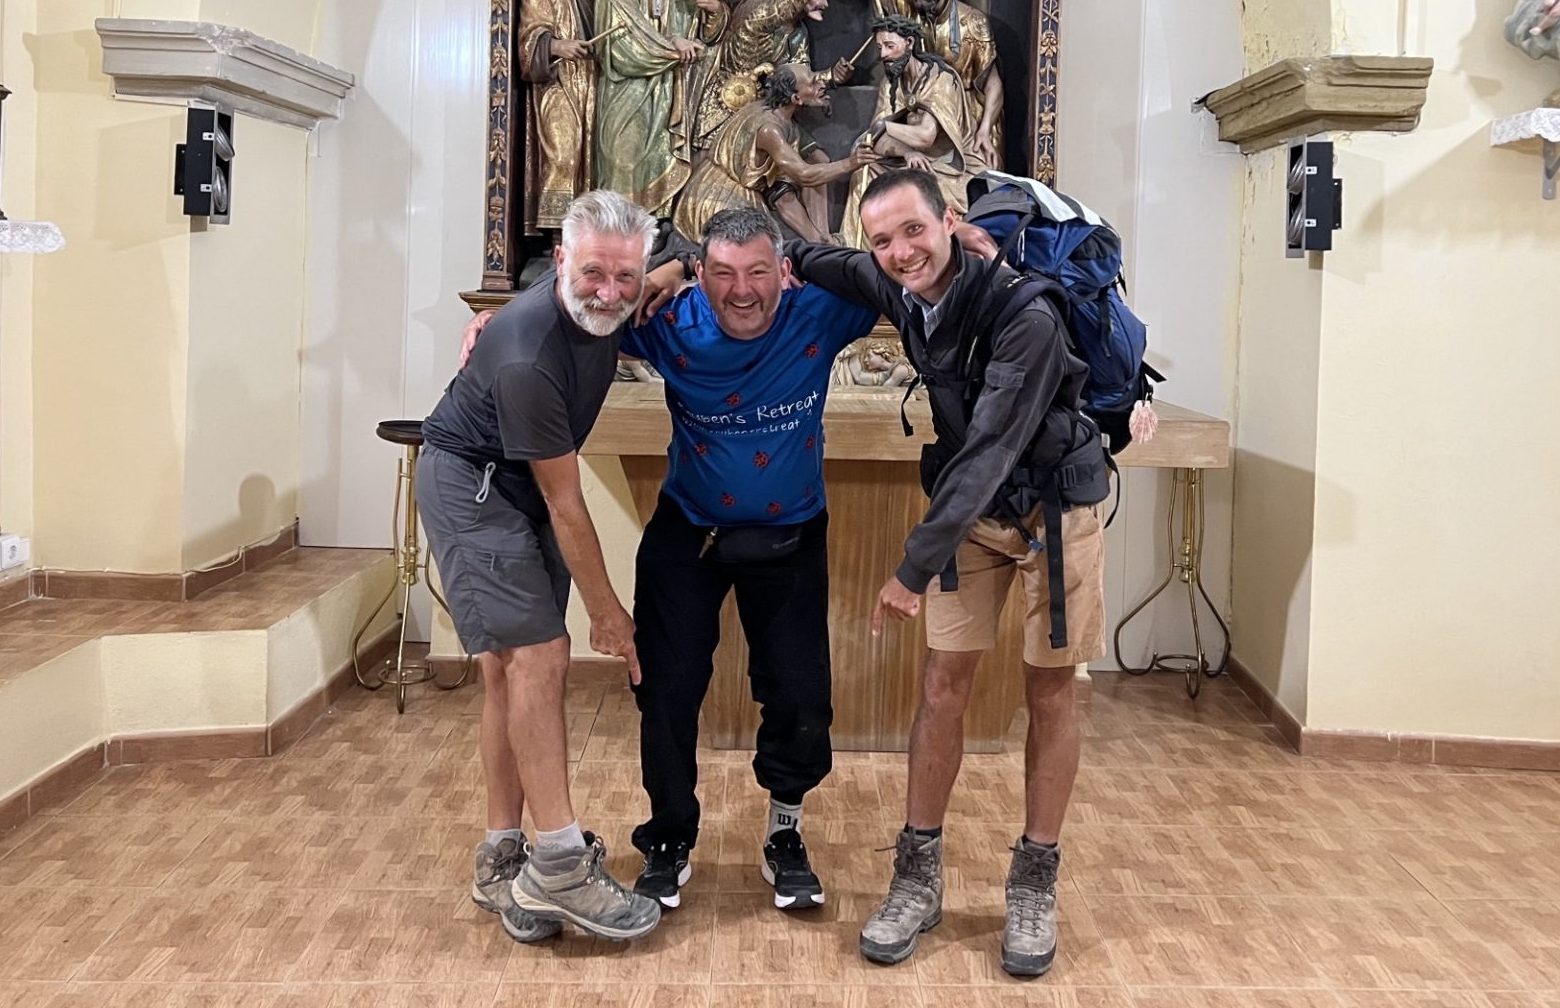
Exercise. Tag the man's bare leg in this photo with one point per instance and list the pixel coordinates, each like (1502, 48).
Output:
(1050, 765)
(914, 901)
(500, 770)
(1050, 751)
(937, 736)
(535, 678)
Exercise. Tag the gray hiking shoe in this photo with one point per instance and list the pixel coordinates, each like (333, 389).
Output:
(496, 866)
(914, 902)
(586, 896)
(1029, 938)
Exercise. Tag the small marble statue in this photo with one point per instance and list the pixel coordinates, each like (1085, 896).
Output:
(1534, 27)
(875, 364)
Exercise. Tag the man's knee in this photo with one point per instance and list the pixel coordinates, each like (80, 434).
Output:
(535, 664)
(950, 676)
(1050, 688)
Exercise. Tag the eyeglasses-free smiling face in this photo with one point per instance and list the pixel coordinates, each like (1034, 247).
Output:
(600, 280)
(743, 283)
(911, 243)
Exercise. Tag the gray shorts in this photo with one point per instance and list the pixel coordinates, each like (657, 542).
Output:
(502, 572)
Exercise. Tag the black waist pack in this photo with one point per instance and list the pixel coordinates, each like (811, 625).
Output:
(751, 543)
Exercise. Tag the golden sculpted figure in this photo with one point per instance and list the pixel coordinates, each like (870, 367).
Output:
(555, 59)
(756, 161)
(644, 109)
(921, 121)
(758, 32)
(960, 34)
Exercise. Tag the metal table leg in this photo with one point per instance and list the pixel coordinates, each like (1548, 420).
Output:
(1186, 496)
(401, 671)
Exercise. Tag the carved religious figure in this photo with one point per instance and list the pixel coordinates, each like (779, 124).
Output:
(555, 58)
(1534, 27)
(873, 364)
(644, 117)
(921, 121)
(960, 34)
(756, 160)
(758, 32)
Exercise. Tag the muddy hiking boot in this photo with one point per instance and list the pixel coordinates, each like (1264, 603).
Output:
(496, 866)
(586, 896)
(1029, 937)
(914, 902)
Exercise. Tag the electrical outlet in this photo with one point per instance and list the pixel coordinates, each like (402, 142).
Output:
(14, 551)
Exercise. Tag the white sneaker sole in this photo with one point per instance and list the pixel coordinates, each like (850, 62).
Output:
(481, 900)
(790, 902)
(674, 901)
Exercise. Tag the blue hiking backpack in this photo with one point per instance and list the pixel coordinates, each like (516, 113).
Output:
(1043, 232)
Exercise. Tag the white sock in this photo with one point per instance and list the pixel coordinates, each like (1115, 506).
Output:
(569, 840)
(495, 835)
(783, 817)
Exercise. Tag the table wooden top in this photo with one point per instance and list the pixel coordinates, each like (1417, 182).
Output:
(865, 426)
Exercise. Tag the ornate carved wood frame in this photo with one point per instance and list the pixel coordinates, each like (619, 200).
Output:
(500, 267)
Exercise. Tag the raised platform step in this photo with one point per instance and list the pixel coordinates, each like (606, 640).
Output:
(237, 672)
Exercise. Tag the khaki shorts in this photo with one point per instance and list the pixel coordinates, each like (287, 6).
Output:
(966, 620)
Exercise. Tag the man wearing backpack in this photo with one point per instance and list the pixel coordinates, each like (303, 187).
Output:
(1017, 470)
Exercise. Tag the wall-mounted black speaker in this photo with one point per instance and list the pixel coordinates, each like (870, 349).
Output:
(1314, 204)
(203, 165)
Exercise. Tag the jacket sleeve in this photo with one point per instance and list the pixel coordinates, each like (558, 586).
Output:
(845, 272)
(1028, 363)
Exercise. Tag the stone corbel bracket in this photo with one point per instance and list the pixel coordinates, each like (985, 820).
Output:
(1303, 97)
(180, 61)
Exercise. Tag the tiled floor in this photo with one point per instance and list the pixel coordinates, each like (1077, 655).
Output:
(1205, 866)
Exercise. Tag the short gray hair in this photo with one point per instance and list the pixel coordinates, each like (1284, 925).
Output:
(740, 225)
(602, 212)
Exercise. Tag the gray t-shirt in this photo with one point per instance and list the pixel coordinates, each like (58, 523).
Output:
(532, 389)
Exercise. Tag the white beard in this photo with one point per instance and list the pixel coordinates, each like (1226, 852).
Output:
(588, 315)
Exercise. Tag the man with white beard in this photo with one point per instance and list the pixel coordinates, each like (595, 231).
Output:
(499, 489)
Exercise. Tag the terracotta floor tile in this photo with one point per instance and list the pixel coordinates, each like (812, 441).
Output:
(341, 733)
(35, 994)
(1523, 935)
(1163, 860)
(99, 851)
(427, 936)
(757, 944)
(1470, 863)
(1204, 865)
(1184, 997)
(167, 995)
(47, 934)
(76, 617)
(1190, 941)
(26, 650)
(1401, 942)
(181, 790)
(323, 852)
(1033, 994)
(215, 935)
(523, 995)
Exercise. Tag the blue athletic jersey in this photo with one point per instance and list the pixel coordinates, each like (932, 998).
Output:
(747, 415)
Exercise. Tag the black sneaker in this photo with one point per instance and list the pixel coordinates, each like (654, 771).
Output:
(666, 871)
(786, 868)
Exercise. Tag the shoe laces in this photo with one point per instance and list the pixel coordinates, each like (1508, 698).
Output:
(597, 874)
(1032, 890)
(664, 858)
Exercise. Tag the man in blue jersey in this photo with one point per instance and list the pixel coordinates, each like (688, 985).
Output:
(747, 365)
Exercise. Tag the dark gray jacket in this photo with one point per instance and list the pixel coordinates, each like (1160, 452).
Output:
(1025, 410)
